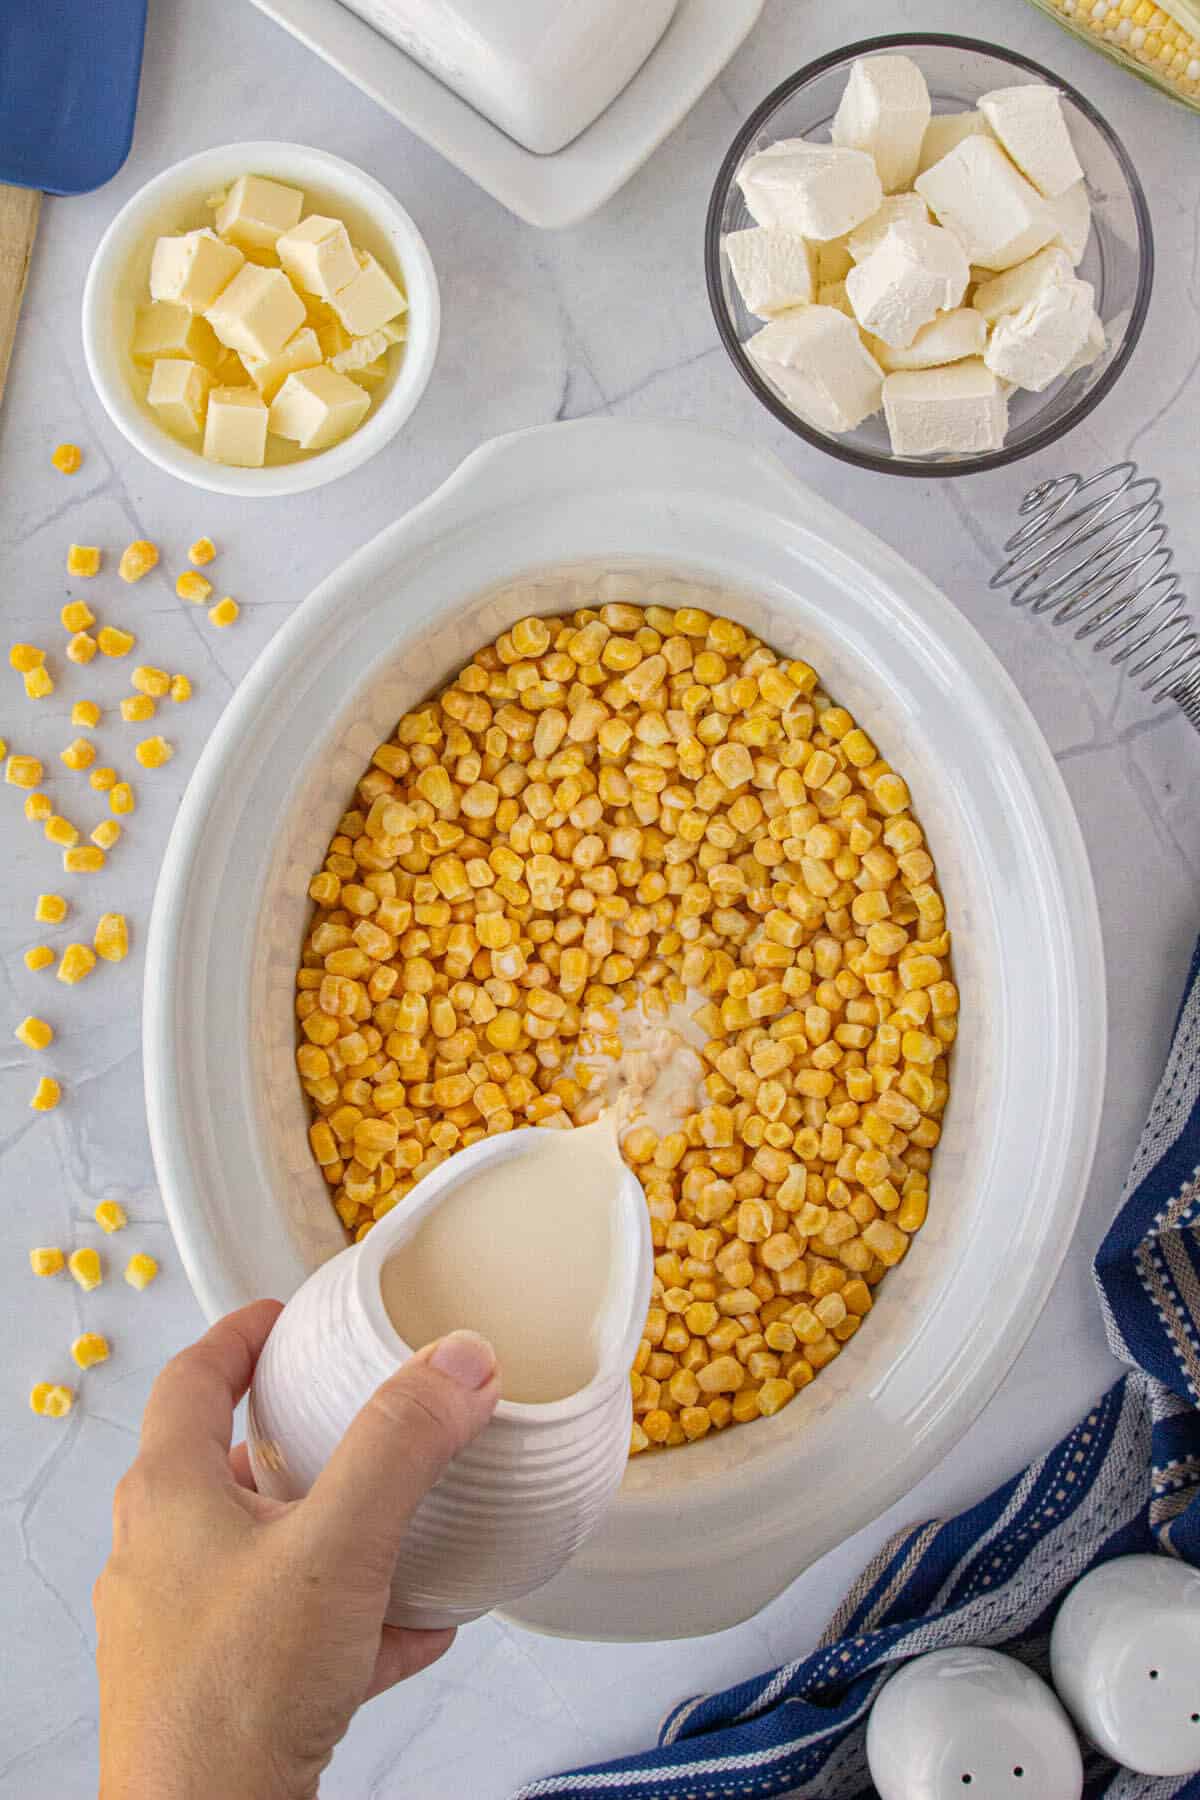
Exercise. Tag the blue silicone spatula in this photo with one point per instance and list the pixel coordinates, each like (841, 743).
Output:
(69, 74)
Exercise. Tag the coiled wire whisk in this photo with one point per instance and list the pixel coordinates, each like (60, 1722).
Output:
(1094, 553)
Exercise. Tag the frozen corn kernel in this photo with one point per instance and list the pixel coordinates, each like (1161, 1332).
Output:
(90, 1348)
(86, 1267)
(137, 560)
(181, 689)
(147, 680)
(111, 641)
(153, 752)
(140, 1270)
(77, 615)
(38, 808)
(191, 586)
(83, 859)
(102, 779)
(77, 961)
(51, 909)
(110, 1215)
(81, 648)
(61, 831)
(46, 1095)
(24, 658)
(106, 833)
(120, 797)
(224, 612)
(79, 754)
(35, 1033)
(83, 559)
(66, 458)
(39, 683)
(201, 552)
(39, 956)
(51, 1399)
(47, 1259)
(112, 937)
(137, 708)
(23, 771)
(86, 714)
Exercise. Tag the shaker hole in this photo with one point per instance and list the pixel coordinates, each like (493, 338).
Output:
(1154, 1674)
(1019, 1772)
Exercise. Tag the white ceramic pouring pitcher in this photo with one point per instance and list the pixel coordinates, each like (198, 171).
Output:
(515, 1504)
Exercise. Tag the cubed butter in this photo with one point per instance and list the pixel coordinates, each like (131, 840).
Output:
(1033, 347)
(917, 271)
(1072, 215)
(961, 409)
(165, 328)
(816, 359)
(361, 353)
(976, 192)
(317, 255)
(369, 299)
(258, 312)
(235, 430)
(268, 373)
(773, 269)
(370, 375)
(1029, 122)
(944, 131)
(318, 407)
(193, 269)
(946, 339)
(1019, 285)
(178, 393)
(819, 191)
(884, 110)
(909, 208)
(255, 211)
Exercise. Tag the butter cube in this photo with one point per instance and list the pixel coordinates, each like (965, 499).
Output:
(988, 204)
(870, 234)
(962, 409)
(236, 428)
(1019, 285)
(946, 339)
(361, 352)
(317, 255)
(819, 191)
(256, 210)
(917, 271)
(1029, 122)
(193, 269)
(371, 374)
(884, 110)
(178, 393)
(258, 312)
(1072, 215)
(369, 299)
(816, 359)
(773, 269)
(166, 328)
(1033, 347)
(944, 131)
(268, 373)
(318, 407)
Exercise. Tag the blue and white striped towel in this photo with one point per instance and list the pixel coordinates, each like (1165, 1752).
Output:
(1127, 1478)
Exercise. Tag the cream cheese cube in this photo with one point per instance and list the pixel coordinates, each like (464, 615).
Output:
(944, 131)
(1072, 215)
(815, 358)
(1017, 286)
(961, 409)
(947, 339)
(317, 254)
(193, 269)
(917, 271)
(977, 194)
(268, 373)
(178, 392)
(258, 312)
(871, 233)
(1033, 347)
(369, 299)
(774, 270)
(1094, 345)
(235, 431)
(819, 191)
(255, 211)
(165, 328)
(884, 110)
(1029, 122)
(318, 407)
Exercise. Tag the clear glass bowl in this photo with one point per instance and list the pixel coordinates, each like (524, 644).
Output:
(1119, 261)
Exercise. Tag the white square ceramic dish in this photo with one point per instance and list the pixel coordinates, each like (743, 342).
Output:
(548, 191)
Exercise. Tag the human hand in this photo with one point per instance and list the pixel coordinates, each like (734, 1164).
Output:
(238, 1634)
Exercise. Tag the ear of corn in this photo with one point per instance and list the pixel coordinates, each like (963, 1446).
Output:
(1159, 43)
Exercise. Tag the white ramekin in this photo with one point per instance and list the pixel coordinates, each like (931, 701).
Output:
(701, 1537)
(117, 284)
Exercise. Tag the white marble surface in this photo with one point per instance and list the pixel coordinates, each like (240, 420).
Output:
(608, 317)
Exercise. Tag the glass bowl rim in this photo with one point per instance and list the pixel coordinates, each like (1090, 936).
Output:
(870, 459)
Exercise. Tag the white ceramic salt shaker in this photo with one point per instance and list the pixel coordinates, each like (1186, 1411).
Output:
(971, 1724)
(1125, 1656)
(515, 1504)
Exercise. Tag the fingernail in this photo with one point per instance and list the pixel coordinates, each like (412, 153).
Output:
(466, 1358)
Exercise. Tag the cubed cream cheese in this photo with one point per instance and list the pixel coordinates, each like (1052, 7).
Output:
(774, 270)
(816, 359)
(947, 339)
(369, 299)
(819, 191)
(976, 192)
(1029, 122)
(165, 328)
(1072, 215)
(870, 234)
(1093, 346)
(178, 392)
(318, 407)
(235, 430)
(317, 255)
(193, 269)
(1033, 347)
(917, 271)
(255, 211)
(944, 131)
(961, 409)
(884, 110)
(268, 373)
(1017, 286)
(257, 313)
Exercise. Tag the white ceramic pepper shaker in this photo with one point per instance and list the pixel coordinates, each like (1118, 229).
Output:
(971, 1724)
(1125, 1655)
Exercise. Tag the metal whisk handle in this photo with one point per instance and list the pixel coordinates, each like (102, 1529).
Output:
(1094, 553)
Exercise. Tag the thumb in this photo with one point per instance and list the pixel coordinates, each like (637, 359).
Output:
(397, 1447)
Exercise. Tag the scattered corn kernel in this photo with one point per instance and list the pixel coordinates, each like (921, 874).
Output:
(181, 688)
(224, 612)
(51, 1399)
(120, 797)
(83, 559)
(191, 586)
(38, 808)
(81, 648)
(137, 708)
(39, 683)
(90, 1348)
(24, 658)
(77, 615)
(153, 752)
(111, 641)
(51, 909)
(46, 1095)
(85, 713)
(106, 833)
(40, 956)
(61, 831)
(147, 680)
(23, 771)
(140, 1270)
(47, 1259)
(112, 937)
(86, 1267)
(77, 961)
(103, 779)
(201, 552)
(79, 753)
(137, 560)
(110, 1215)
(66, 458)
(35, 1033)
(83, 859)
